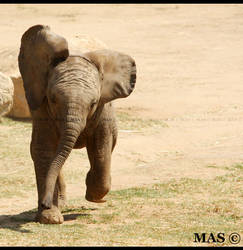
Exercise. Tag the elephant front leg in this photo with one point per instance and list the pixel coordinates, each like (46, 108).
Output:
(98, 179)
(59, 198)
(42, 151)
(52, 215)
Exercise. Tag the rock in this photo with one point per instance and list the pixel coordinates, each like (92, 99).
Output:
(20, 107)
(6, 94)
(9, 66)
(9, 61)
(85, 43)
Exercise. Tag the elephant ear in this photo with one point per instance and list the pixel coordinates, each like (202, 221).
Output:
(40, 50)
(117, 73)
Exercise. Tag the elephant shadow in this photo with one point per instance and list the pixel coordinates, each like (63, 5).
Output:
(70, 214)
(19, 119)
(16, 221)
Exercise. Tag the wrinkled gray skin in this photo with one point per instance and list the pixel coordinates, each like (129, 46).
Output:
(69, 97)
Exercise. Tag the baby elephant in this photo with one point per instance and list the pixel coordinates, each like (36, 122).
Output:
(69, 97)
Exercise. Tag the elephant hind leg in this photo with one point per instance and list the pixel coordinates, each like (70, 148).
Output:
(99, 148)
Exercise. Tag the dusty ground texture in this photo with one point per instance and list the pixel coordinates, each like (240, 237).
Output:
(186, 112)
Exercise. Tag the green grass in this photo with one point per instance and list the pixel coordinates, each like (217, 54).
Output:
(129, 122)
(15, 158)
(163, 214)
(160, 214)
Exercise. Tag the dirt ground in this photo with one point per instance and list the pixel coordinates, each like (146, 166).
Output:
(189, 76)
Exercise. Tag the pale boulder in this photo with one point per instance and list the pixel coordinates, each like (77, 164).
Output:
(20, 107)
(9, 61)
(85, 43)
(6, 94)
(9, 65)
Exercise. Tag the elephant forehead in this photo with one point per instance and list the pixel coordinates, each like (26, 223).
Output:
(75, 70)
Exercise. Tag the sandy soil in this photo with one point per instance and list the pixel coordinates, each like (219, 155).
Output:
(189, 61)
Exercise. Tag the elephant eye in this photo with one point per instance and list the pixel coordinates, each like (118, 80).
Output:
(53, 99)
(93, 104)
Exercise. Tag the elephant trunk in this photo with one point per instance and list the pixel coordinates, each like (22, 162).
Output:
(71, 128)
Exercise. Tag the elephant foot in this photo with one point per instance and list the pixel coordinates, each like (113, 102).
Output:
(90, 198)
(50, 216)
(96, 189)
(95, 196)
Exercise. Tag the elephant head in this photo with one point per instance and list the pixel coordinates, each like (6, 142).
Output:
(75, 87)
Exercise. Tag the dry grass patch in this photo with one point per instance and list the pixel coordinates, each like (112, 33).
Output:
(161, 214)
(156, 215)
(127, 121)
